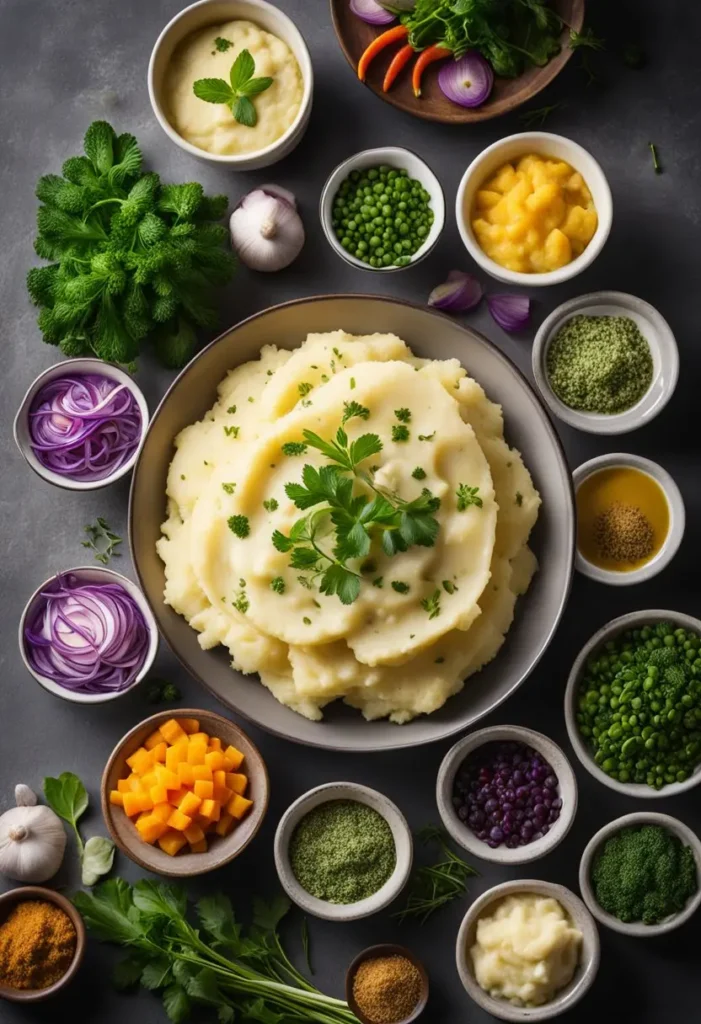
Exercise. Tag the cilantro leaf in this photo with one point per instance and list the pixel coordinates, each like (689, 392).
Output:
(432, 604)
(228, 488)
(467, 496)
(403, 415)
(278, 585)
(239, 526)
(353, 409)
(294, 448)
(419, 473)
(222, 45)
(400, 586)
(363, 447)
(281, 542)
(400, 432)
(339, 580)
(270, 504)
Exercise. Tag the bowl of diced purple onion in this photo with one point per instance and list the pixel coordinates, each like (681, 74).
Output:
(81, 424)
(507, 794)
(88, 635)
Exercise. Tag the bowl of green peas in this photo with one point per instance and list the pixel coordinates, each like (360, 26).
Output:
(382, 209)
(633, 704)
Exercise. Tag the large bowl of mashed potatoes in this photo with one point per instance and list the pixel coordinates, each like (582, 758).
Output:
(353, 521)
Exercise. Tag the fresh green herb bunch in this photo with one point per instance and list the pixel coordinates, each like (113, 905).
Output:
(131, 258)
(644, 874)
(639, 705)
(511, 36)
(432, 886)
(212, 964)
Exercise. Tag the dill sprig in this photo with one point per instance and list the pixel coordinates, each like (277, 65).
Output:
(432, 886)
(102, 540)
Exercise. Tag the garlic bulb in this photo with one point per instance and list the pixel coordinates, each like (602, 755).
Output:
(266, 231)
(32, 839)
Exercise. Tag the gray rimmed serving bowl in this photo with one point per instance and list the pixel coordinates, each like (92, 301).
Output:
(92, 574)
(403, 842)
(567, 997)
(463, 834)
(65, 369)
(677, 519)
(395, 157)
(636, 928)
(633, 620)
(663, 349)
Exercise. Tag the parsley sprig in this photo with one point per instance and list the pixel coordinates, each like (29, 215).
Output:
(353, 520)
(102, 540)
(237, 92)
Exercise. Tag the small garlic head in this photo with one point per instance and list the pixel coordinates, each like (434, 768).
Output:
(32, 839)
(266, 231)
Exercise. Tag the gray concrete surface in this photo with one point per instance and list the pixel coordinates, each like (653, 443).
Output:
(63, 64)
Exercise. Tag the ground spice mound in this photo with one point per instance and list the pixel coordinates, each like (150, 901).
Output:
(623, 533)
(387, 988)
(37, 945)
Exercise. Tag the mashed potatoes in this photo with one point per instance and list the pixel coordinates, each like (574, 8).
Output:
(425, 617)
(534, 216)
(526, 949)
(212, 126)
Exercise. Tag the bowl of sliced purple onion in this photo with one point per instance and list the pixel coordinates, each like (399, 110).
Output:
(87, 635)
(81, 424)
(507, 794)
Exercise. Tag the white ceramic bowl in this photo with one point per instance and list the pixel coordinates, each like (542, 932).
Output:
(637, 928)
(402, 841)
(511, 148)
(663, 349)
(393, 156)
(93, 574)
(216, 12)
(463, 834)
(66, 369)
(677, 519)
(567, 997)
(634, 620)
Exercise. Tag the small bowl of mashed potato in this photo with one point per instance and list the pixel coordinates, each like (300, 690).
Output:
(534, 209)
(264, 113)
(527, 950)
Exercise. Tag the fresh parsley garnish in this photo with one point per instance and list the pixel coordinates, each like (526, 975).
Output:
(467, 496)
(222, 45)
(232, 431)
(270, 504)
(237, 92)
(655, 158)
(427, 437)
(449, 586)
(379, 582)
(433, 885)
(102, 540)
(403, 415)
(352, 383)
(419, 473)
(231, 409)
(278, 585)
(307, 621)
(432, 604)
(239, 525)
(228, 488)
(400, 586)
(241, 603)
(304, 388)
(294, 448)
(161, 692)
(586, 40)
(519, 498)
(351, 410)
(400, 432)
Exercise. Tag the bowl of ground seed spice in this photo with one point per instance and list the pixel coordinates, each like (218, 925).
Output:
(343, 851)
(639, 875)
(387, 984)
(606, 363)
(42, 942)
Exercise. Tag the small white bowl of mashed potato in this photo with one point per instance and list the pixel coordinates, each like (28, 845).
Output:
(527, 950)
(534, 209)
(202, 42)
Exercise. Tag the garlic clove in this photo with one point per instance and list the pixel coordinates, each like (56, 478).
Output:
(266, 231)
(280, 193)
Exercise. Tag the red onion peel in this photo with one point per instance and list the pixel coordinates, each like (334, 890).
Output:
(511, 312)
(371, 12)
(468, 81)
(459, 293)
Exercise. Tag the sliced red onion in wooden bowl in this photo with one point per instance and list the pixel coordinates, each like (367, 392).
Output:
(467, 81)
(460, 292)
(511, 312)
(371, 12)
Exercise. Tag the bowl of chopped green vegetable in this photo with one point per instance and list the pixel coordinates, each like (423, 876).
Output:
(633, 704)
(606, 363)
(382, 209)
(639, 875)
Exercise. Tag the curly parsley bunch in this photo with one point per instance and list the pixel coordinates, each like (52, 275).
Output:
(131, 258)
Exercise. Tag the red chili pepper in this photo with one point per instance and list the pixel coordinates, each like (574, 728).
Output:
(426, 57)
(392, 35)
(399, 61)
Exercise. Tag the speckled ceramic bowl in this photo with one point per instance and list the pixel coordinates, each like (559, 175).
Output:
(637, 928)
(567, 997)
(383, 950)
(402, 841)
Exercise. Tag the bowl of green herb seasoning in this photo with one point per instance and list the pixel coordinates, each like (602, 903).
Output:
(606, 363)
(343, 851)
(639, 875)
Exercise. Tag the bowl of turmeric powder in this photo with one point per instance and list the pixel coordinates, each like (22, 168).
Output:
(42, 942)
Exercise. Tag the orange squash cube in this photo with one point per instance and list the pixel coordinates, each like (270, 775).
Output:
(200, 737)
(193, 833)
(158, 753)
(204, 790)
(235, 758)
(162, 811)
(123, 786)
(117, 798)
(132, 804)
(134, 783)
(210, 810)
(179, 821)
(236, 782)
(189, 804)
(200, 847)
(239, 806)
(202, 772)
(171, 842)
(189, 725)
(219, 777)
(140, 761)
(151, 828)
(215, 743)
(214, 760)
(166, 777)
(158, 793)
(196, 751)
(222, 795)
(224, 825)
(185, 773)
(172, 731)
(154, 739)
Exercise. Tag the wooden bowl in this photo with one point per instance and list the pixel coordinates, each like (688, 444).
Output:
(355, 35)
(386, 949)
(223, 849)
(9, 900)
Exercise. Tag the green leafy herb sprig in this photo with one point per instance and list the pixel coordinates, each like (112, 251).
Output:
(102, 540)
(433, 885)
(537, 117)
(237, 92)
(68, 798)
(131, 258)
(211, 964)
(356, 519)
(159, 691)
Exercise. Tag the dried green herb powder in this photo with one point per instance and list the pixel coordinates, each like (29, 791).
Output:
(599, 364)
(342, 851)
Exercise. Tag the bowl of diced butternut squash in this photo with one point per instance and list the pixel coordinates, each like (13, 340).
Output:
(183, 794)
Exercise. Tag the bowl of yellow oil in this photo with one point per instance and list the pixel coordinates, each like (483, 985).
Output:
(630, 519)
